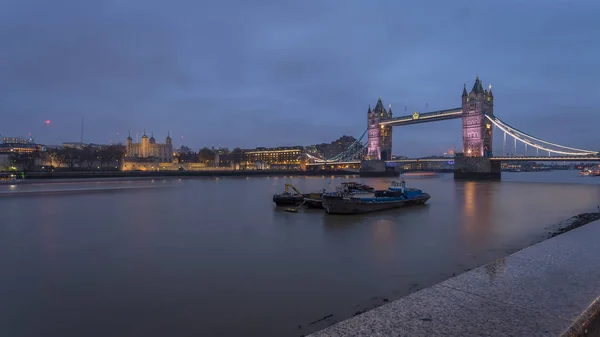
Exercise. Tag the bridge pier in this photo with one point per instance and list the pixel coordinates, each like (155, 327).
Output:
(376, 168)
(476, 168)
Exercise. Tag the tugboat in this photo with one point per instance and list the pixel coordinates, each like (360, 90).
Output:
(286, 198)
(313, 200)
(396, 196)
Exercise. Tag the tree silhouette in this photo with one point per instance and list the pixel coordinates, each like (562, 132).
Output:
(206, 155)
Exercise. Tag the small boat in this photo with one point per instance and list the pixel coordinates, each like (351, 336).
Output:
(287, 198)
(313, 200)
(10, 180)
(590, 173)
(396, 196)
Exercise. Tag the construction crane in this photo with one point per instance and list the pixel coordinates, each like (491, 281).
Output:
(287, 189)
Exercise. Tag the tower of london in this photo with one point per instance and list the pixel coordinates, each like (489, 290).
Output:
(148, 148)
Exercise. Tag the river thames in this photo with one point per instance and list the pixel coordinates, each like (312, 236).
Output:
(215, 257)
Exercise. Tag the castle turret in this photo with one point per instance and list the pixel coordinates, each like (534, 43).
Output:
(169, 144)
(145, 145)
(129, 145)
(152, 140)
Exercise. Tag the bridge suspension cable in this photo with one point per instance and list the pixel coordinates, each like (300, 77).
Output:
(526, 135)
(351, 151)
(527, 140)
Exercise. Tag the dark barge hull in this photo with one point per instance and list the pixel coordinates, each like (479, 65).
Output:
(288, 200)
(340, 205)
(313, 203)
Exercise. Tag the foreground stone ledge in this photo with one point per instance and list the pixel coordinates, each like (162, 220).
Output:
(548, 289)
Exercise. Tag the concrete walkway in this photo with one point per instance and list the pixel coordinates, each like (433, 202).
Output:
(549, 289)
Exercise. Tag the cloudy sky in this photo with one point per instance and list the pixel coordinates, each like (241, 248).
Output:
(275, 72)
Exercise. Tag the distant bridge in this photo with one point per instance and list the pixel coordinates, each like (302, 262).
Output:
(425, 160)
(542, 158)
(408, 160)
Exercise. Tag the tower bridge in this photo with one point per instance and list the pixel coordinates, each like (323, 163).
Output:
(478, 123)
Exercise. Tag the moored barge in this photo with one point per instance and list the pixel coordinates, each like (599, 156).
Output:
(314, 200)
(396, 196)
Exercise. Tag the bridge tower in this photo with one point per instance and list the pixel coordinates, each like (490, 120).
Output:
(475, 162)
(379, 136)
(477, 130)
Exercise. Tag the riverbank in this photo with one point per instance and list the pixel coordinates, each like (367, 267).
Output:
(574, 222)
(549, 289)
(180, 174)
(374, 303)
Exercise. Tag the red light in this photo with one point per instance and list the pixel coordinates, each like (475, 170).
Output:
(47, 121)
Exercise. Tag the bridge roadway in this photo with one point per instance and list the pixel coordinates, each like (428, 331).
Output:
(415, 160)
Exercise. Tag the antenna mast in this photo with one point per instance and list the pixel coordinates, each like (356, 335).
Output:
(81, 138)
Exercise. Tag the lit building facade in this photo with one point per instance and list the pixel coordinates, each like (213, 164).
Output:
(477, 129)
(427, 165)
(379, 146)
(20, 145)
(274, 156)
(79, 145)
(148, 148)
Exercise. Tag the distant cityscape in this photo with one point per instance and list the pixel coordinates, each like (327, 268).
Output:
(24, 154)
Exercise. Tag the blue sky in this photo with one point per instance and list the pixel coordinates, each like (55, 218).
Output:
(276, 72)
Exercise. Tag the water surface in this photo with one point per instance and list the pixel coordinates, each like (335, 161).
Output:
(215, 257)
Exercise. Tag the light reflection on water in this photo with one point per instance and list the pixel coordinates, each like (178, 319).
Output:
(215, 257)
